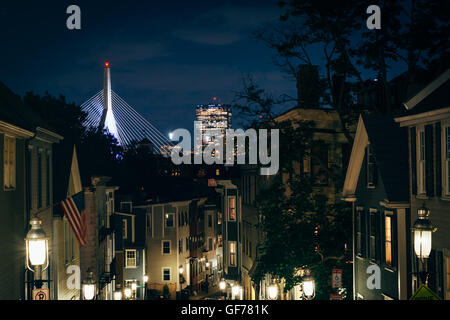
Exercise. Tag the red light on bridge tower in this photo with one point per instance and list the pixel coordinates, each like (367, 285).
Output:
(106, 64)
(214, 98)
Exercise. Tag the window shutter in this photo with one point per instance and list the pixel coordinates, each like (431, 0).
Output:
(429, 161)
(438, 159)
(413, 159)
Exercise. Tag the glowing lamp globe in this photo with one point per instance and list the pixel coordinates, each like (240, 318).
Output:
(235, 290)
(423, 230)
(222, 285)
(117, 295)
(308, 286)
(272, 291)
(89, 291)
(127, 292)
(36, 244)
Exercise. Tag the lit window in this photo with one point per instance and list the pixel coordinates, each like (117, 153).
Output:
(232, 208)
(166, 274)
(166, 247)
(232, 249)
(9, 163)
(388, 239)
(130, 261)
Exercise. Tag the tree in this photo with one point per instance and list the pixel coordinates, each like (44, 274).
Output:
(301, 227)
(98, 151)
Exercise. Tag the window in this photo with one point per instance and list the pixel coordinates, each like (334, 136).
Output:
(388, 239)
(166, 274)
(126, 207)
(130, 258)
(169, 220)
(373, 236)
(371, 168)
(47, 178)
(360, 233)
(421, 162)
(319, 164)
(210, 224)
(447, 276)
(250, 249)
(125, 229)
(447, 159)
(232, 250)
(128, 284)
(66, 241)
(39, 170)
(210, 244)
(180, 246)
(166, 247)
(9, 163)
(232, 208)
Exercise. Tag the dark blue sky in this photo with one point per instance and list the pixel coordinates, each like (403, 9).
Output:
(166, 56)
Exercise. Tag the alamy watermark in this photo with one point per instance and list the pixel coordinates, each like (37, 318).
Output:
(213, 146)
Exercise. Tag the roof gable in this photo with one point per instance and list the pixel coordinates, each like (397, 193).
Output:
(389, 145)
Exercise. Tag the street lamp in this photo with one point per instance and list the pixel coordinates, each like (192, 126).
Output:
(423, 230)
(88, 287)
(235, 290)
(272, 291)
(222, 285)
(36, 243)
(308, 285)
(145, 278)
(117, 295)
(127, 292)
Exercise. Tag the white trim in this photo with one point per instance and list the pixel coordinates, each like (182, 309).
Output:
(162, 247)
(14, 130)
(170, 274)
(356, 160)
(425, 92)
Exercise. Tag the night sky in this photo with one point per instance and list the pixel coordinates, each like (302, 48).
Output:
(166, 56)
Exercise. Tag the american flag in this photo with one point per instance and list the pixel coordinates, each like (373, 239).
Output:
(75, 212)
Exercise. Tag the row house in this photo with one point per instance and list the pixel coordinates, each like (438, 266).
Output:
(398, 166)
(427, 121)
(173, 246)
(26, 156)
(130, 248)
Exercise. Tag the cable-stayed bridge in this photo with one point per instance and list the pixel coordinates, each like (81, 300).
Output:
(108, 110)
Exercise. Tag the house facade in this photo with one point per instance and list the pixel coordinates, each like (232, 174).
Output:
(427, 121)
(376, 185)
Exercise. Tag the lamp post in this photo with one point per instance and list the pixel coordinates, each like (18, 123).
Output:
(308, 285)
(89, 288)
(127, 292)
(180, 276)
(118, 293)
(36, 243)
(423, 230)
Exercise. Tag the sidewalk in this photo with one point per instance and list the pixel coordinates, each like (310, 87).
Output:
(213, 291)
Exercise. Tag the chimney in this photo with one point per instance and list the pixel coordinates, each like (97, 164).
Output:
(308, 86)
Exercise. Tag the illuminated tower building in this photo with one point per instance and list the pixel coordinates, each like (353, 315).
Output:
(213, 116)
